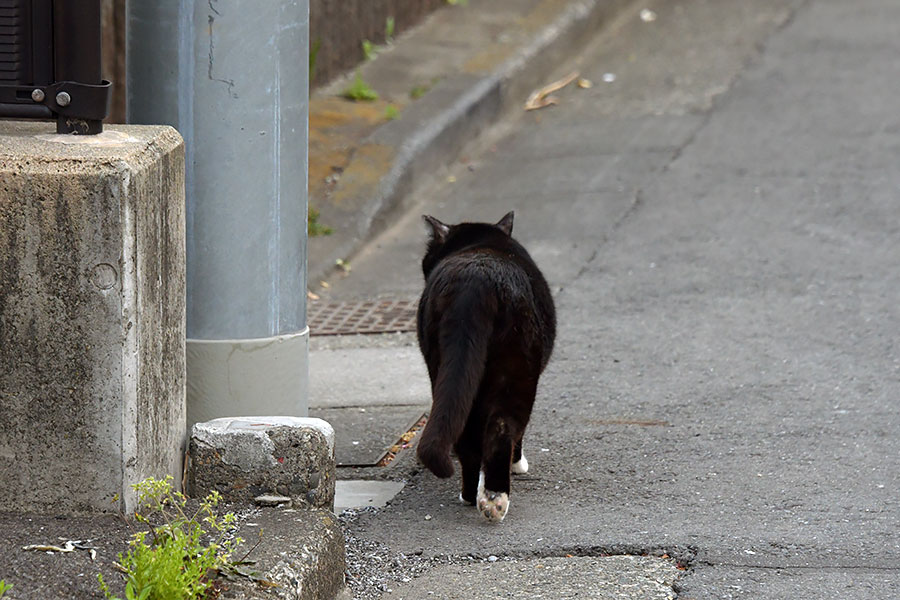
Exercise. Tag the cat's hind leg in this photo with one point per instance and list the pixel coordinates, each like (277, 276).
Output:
(492, 505)
(468, 450)
(493, 483)
(520, 463)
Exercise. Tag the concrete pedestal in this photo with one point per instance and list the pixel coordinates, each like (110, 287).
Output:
(92, 327)
(248, 377)
(245, 458)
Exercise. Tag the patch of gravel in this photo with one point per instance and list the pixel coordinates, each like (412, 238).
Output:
(372, 570)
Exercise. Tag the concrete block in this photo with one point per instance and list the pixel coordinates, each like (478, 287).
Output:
(302, 551)
(91, 315)
(248, 457)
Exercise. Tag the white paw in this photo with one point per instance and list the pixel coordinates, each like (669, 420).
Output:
(520, 466)
(492, 505)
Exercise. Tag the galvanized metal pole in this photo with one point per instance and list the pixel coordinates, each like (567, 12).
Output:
(232, 77)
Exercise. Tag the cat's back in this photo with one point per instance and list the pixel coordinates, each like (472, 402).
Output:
(491, 270)
(486, 281)
(502, 274)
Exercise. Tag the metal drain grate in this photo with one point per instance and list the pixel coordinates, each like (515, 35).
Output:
(367, 316)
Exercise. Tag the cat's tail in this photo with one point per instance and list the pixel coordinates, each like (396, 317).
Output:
(465, 331)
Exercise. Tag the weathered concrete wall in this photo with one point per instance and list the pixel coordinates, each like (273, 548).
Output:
(91, 315)
(337, 29)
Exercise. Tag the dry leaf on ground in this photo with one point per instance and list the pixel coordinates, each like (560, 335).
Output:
(541, 97)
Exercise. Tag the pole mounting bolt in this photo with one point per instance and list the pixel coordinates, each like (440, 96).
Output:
(38, 95)
(63, 99)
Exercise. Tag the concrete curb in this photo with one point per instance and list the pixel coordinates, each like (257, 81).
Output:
(433, 130)
(302, 552)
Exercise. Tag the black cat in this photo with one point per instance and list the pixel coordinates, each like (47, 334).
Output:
(486, 325)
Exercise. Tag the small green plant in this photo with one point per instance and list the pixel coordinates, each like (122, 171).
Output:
(369, 49)
(458, 2)
(175, 559)
(360, 90)
(313, 227)
(391, 112)
(4, 587)
(420, 90)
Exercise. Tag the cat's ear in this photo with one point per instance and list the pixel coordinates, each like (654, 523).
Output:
(505, 224)
(439, 231)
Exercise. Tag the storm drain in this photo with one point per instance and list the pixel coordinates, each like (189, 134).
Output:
(367, 316)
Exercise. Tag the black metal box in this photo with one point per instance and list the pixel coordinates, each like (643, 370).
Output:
(50, 63)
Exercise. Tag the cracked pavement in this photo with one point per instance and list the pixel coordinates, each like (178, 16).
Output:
(720, 227)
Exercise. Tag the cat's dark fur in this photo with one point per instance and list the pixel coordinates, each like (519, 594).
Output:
(486, 326)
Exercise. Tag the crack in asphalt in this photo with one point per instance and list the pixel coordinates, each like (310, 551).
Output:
(373, 569)
(636, 203)
(716, 102)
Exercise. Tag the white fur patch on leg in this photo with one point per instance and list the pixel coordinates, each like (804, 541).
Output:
(520, 466)
(492, 505)
(480, 488)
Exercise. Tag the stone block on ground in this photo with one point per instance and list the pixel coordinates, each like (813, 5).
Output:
(92, 319)
(245, 458)
(301, 552)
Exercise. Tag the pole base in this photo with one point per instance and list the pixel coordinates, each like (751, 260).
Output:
(247, 377)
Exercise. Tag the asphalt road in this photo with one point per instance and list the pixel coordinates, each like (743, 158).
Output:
(721, 226)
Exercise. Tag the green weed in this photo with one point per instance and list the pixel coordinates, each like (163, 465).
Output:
(360, 90)
(420, 90)
(174, 560)
(369, 49)
(313, 227)
(391, 112)
(4, 587)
